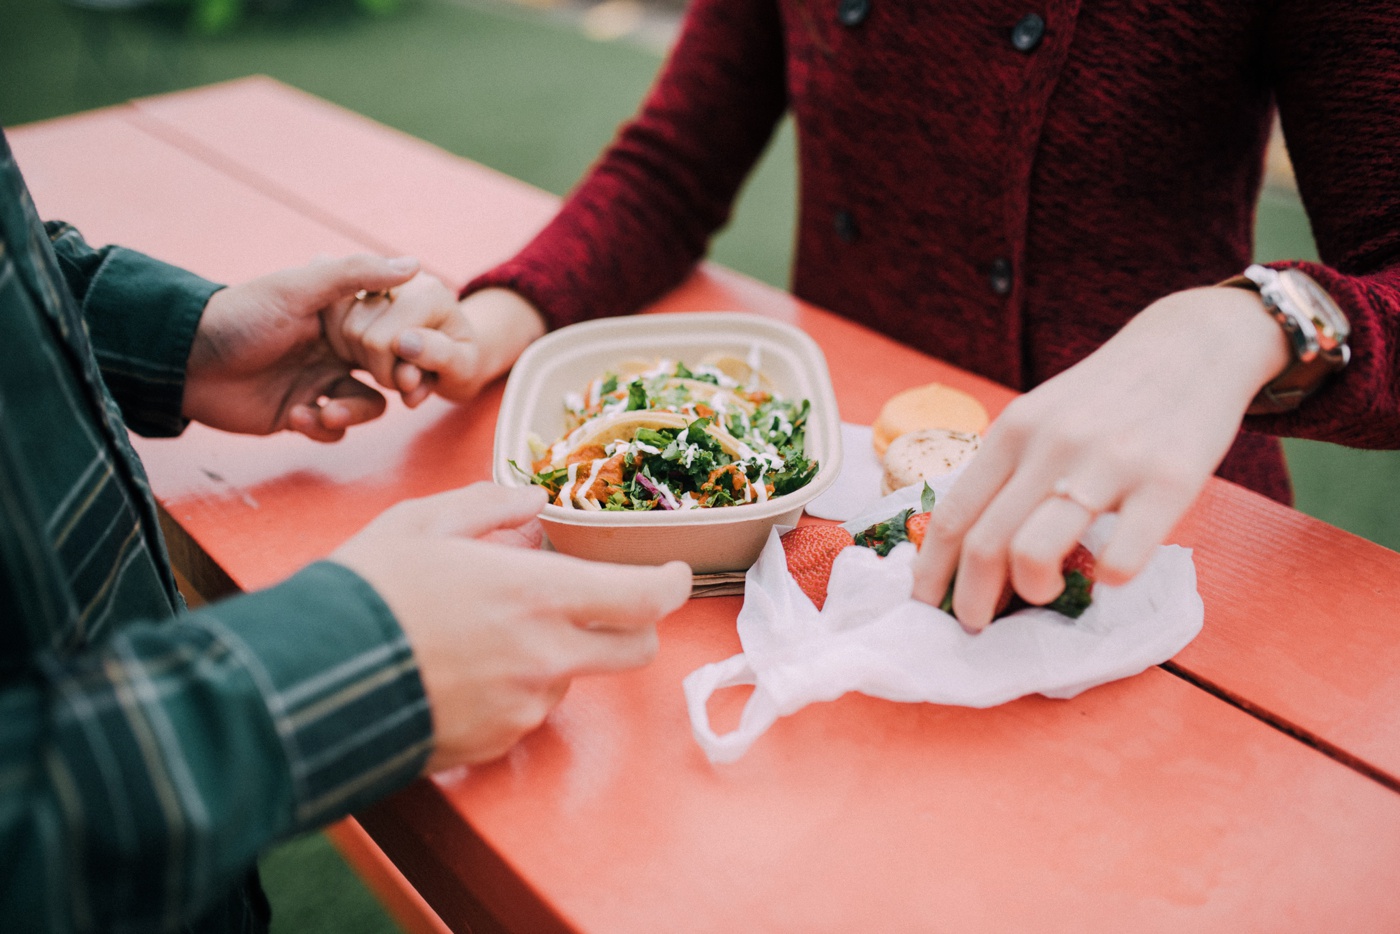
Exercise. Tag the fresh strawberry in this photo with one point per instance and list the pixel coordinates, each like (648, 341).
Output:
(915, 527)
(1004, 600)
(810, 551)
(1078, 568)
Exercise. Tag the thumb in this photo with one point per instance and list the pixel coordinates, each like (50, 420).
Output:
(327, 281)
(482, 508)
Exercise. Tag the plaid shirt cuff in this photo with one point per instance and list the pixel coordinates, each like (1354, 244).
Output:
(342, 686)
(142, 315)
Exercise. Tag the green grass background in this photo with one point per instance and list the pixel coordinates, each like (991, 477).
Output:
(521, 90)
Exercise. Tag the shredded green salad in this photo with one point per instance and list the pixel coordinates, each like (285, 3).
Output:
(669, 437)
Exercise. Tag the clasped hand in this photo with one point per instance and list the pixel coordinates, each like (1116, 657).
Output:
(277, 353)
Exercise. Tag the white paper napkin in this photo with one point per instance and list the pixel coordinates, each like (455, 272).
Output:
(858, 483)
(872, 637)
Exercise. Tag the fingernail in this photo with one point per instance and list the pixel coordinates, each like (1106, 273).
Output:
(403, 263)
(410, 345)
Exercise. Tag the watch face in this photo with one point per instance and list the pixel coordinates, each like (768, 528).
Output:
(1313, 301)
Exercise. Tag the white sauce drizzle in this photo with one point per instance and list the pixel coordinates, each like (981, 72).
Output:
(582, 494)
(753, 446)
(566, 492)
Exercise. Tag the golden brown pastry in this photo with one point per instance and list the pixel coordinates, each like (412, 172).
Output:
(916, 456)
(932, 406)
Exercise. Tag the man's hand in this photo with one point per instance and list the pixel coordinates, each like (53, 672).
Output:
(499, 632)
(261, 363)
(1135, 428)
(421, 340)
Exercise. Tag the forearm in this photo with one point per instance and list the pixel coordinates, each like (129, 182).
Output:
(1237, 345)
(142, 778)
(505, 323)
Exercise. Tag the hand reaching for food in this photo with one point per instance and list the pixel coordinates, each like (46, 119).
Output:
(498, 632)
(1136, 428)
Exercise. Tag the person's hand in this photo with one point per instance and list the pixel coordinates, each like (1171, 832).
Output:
(499, 632)
(260, 362)
(1137, 428)
(420, 340)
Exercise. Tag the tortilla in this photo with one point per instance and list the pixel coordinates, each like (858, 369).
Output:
(740, 371)
(623, 426)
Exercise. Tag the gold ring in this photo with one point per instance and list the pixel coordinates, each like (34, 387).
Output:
(364, 295)
(1062, 490)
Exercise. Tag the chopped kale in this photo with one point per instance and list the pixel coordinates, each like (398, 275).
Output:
(551, 480)
(667, 464)
(654, 438)
(797, 472)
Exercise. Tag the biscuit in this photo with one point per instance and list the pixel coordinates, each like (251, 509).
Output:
(932, 406)
(916, 456)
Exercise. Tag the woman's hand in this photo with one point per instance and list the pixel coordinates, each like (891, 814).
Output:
(420, 340)
(1137, 428)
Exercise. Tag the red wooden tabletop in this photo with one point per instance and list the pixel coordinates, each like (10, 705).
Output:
(1146, 804)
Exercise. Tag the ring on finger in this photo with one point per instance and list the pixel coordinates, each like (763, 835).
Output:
(1063, 490)
(364, 295)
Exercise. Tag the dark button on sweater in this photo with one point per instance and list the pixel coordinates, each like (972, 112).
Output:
(845, 224)
(1000, 277)
(1026, 34)
(852, 12)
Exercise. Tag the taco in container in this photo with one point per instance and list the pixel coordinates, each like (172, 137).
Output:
(674, 439)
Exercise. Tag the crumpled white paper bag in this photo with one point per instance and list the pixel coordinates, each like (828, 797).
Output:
(873, 637)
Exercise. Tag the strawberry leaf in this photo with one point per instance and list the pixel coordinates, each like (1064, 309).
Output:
(1075, 598)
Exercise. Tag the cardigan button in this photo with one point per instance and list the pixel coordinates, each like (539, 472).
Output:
(846, 229)
(1026, 34)
(852, 12)
(1000, 278)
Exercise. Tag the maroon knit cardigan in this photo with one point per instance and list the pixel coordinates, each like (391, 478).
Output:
(1004, 196)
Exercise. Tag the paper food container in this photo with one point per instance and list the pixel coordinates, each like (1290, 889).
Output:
(727, 538)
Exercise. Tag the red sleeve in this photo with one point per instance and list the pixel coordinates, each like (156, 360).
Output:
(643, 216)
(1337, 80)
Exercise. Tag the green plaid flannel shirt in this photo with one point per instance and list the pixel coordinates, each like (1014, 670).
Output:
(149, 753)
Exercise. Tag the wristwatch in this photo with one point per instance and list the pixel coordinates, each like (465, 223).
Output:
(1316, 328)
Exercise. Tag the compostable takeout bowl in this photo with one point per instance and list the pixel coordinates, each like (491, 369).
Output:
(727, 538)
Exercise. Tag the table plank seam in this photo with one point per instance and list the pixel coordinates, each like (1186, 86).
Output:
(1304, 736)
(173, 136)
